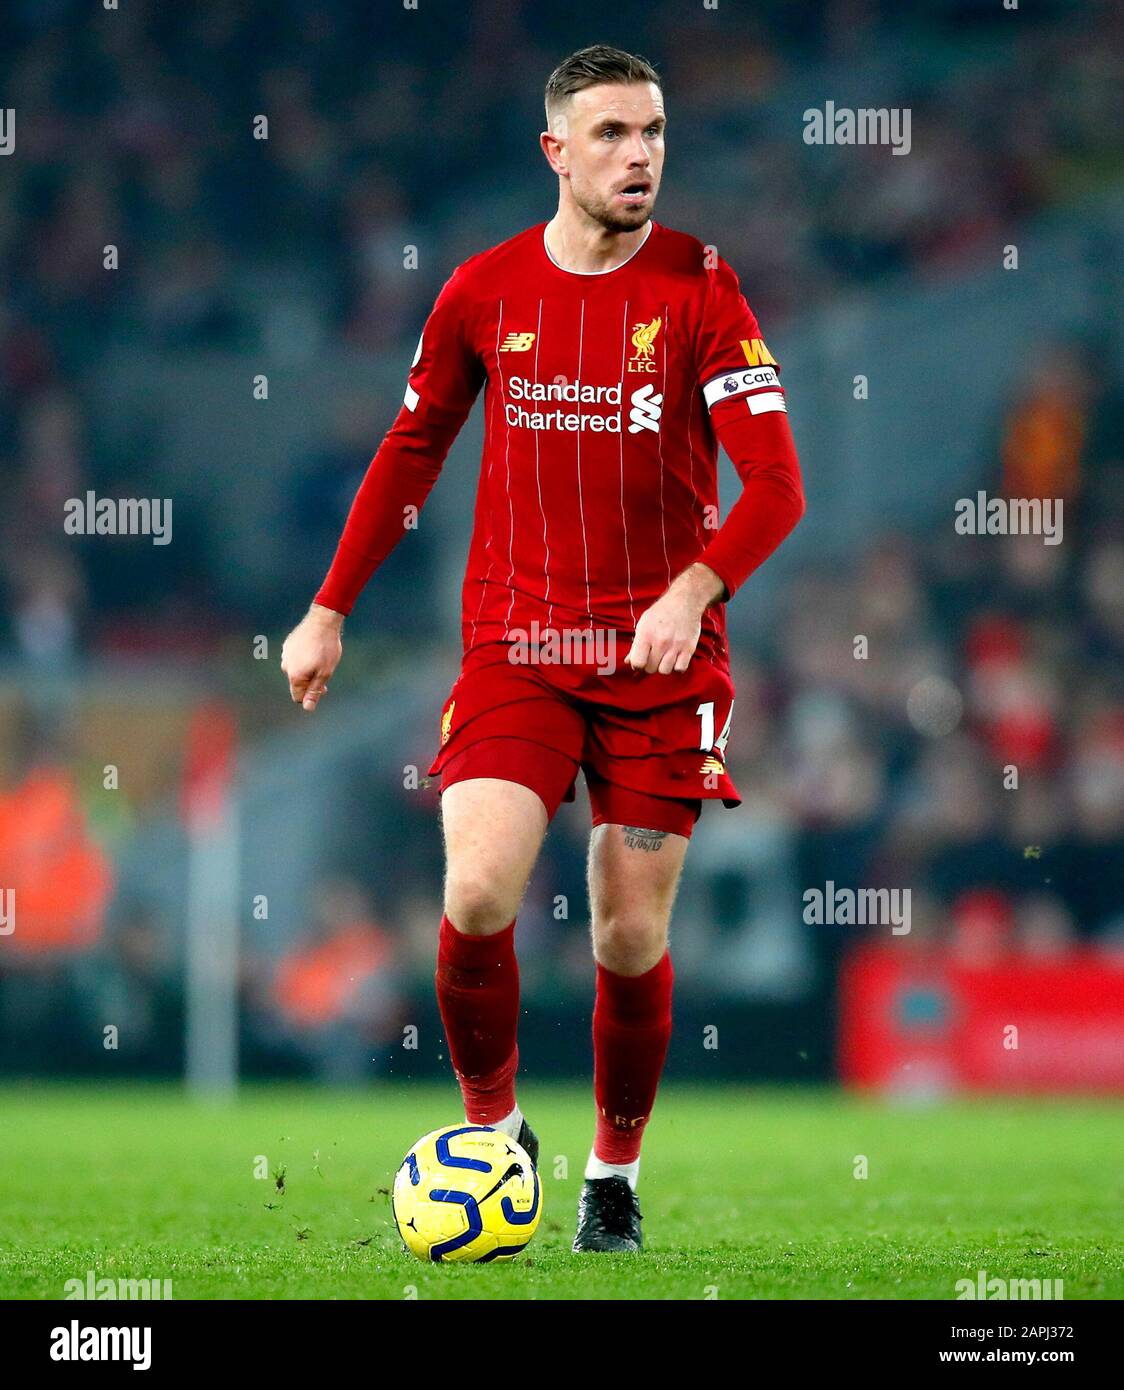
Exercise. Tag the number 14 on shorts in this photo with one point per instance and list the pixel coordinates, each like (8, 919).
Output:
(707, 741)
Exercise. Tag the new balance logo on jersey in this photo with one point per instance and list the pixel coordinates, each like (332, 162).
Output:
(647, 407)
(517, 342)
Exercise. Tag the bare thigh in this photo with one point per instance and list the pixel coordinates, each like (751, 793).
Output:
(493, 831)
(633, 878)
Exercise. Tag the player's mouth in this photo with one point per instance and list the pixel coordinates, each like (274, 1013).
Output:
(634, 192)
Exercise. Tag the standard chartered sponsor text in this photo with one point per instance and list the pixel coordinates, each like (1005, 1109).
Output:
(520, 389)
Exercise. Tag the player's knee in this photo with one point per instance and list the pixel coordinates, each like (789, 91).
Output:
(631, 910)
(477, 908)
(629, 943)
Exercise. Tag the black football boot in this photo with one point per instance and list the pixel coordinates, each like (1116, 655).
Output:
(608, 1216)
(529, 1140)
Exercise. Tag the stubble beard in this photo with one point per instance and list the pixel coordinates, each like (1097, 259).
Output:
(612, 219)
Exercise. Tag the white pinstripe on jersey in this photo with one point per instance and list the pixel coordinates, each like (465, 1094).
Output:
(659, 437)
(624, 518)
(578, 436)
(538, 483)
(507, 460)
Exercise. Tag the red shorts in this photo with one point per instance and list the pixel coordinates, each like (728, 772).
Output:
(652, 747)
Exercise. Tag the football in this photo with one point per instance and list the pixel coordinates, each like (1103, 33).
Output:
(466, 1192)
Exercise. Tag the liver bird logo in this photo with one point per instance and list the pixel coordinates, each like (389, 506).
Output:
(644, 343)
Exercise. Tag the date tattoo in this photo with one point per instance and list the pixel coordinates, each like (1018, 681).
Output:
(649, 840)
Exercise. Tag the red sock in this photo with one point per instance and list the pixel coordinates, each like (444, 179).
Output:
(631, 1031)
(478, 995)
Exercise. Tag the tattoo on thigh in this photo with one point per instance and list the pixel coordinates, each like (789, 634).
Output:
(636, 838)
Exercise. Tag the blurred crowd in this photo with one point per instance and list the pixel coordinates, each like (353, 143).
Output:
(974, 746)
(135, 130)
(945, 714)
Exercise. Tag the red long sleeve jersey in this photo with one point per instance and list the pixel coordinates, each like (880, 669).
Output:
(605, 397)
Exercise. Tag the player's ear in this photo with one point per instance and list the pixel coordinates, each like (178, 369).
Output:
(552, 148)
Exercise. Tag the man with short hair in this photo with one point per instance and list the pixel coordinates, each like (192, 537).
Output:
(615, 354)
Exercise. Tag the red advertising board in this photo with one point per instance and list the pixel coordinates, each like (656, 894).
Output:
(925, 1022)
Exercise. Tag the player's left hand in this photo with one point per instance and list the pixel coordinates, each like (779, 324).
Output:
(668, 632)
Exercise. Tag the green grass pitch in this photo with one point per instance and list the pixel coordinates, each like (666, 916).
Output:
(746, 1194)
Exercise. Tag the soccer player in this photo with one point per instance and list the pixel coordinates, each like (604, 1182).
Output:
(614, 354)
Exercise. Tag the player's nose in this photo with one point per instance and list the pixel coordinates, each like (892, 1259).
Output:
(638, 155)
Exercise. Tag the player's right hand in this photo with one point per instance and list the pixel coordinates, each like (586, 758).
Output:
(310, 655)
